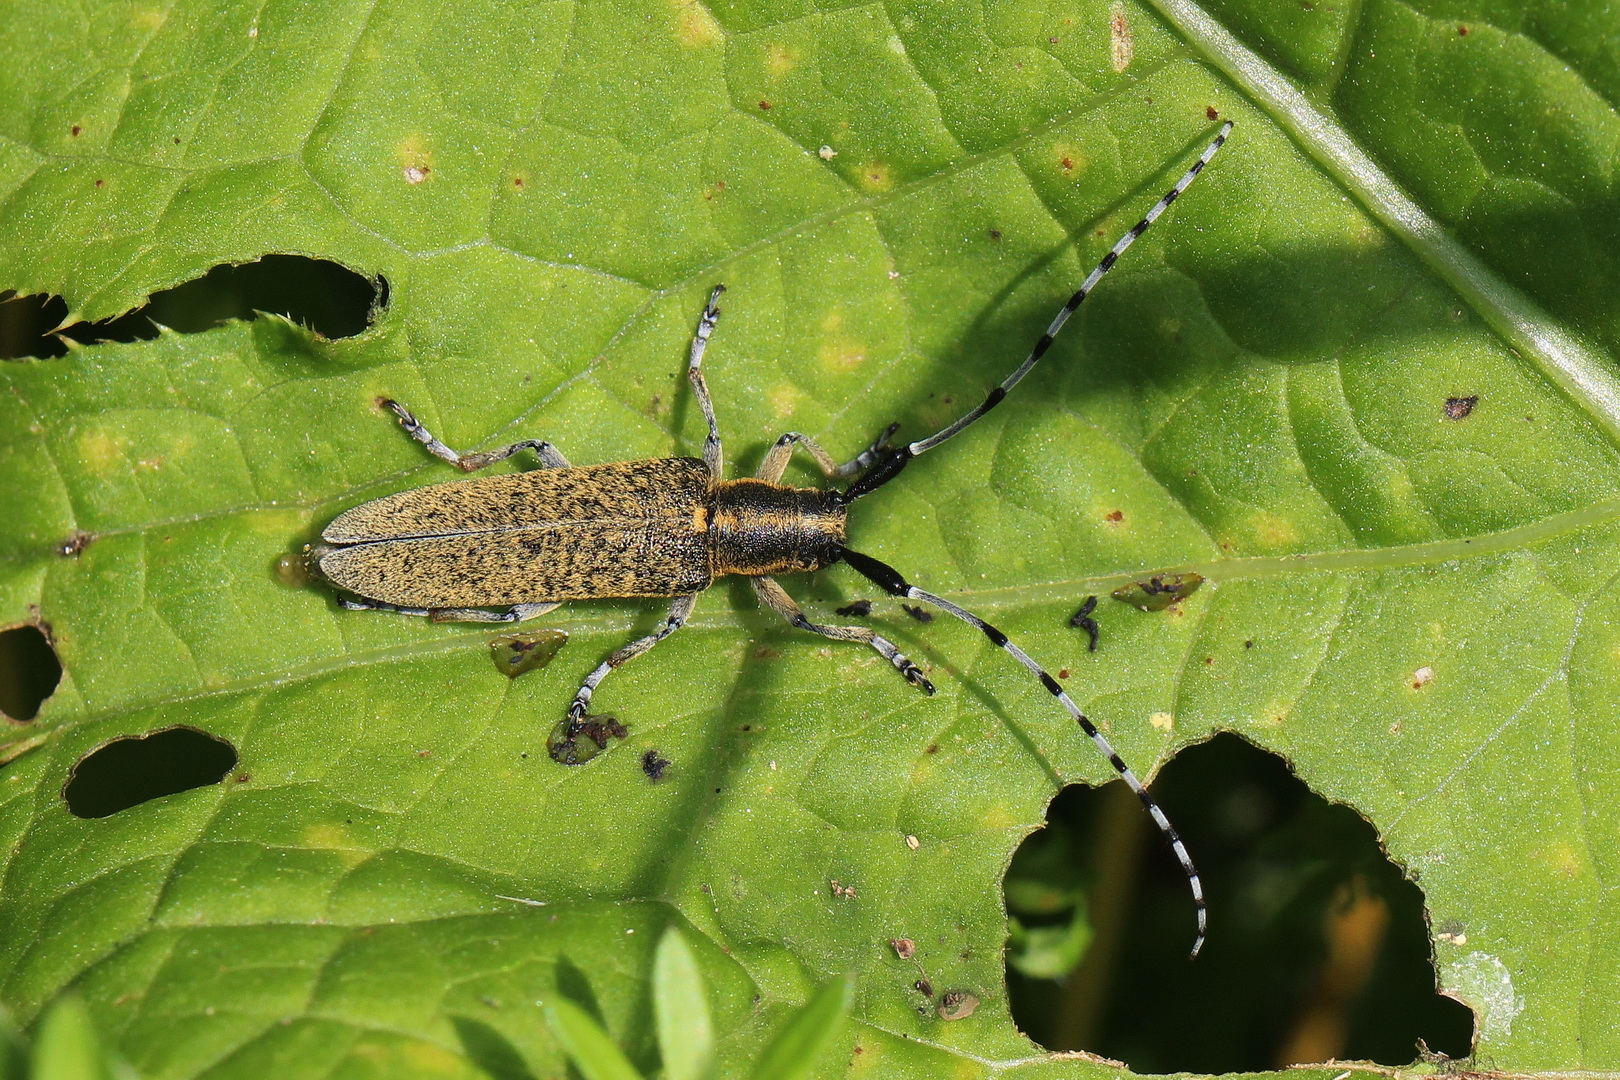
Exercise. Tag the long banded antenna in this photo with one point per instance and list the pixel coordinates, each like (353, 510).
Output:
(889, 579)
(892, 460)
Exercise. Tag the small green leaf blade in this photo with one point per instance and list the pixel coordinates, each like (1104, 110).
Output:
(797, 1049)
(681, 1002)
(66, 1046)
(591, 1049)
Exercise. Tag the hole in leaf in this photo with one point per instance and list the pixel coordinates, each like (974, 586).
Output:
(29, 671)
(330, 299)
(138, 768)
(1318, 944)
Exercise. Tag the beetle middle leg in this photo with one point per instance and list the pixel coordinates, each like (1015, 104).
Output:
(550, 457)
(563, 748)
(777, 598)
(515, 613)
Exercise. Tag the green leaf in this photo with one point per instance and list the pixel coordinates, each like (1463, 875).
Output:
(586, 1044)
(1417, 610)
(1048, 952)
(685, 1032)
(796, 1050)
(13, 1049)
(65, 1047)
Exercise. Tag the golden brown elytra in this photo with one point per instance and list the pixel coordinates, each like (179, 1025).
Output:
(629, 528)
(668, 527)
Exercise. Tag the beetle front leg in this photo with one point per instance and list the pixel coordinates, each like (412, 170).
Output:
(550, 457)
(776, 458)
(565, 743)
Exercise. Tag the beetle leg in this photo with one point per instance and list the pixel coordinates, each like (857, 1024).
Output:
(362, 604)
(679, 611)
(776, 597)
(776, 458)
(700, 388)
(550, 456)
(515, 613)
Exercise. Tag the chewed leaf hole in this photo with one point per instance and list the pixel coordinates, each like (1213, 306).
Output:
(139, 768)
(330, 299)
(29, 671)
(1318, 945)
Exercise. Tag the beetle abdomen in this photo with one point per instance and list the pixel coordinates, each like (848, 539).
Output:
(632, 528)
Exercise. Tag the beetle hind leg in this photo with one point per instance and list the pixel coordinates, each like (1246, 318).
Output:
(513, 614)
(362, 604)
(777, 598)
(550, 457)
(565, 746)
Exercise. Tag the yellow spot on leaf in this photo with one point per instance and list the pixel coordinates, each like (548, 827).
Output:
(415, 163)
(841, 354)
(1122, 45)
(695, 26)
(785, 399)
(1563, 859)
(780, 59)
(997, 817)
(100, 450)
(1069, 158)
(875, 176)
(394, 1056)
(334, 838)
(1275, 714)
(1272, 530)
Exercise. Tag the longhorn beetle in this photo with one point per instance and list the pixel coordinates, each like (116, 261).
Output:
(527, 542)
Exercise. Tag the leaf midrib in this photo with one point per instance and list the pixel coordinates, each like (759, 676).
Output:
(1560, 357)
(996, 599)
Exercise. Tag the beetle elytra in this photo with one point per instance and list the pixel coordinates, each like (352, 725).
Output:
(526, 542)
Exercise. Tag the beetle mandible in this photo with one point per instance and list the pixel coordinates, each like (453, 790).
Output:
(528, 542)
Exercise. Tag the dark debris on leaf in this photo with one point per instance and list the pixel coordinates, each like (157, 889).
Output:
(1458, 408)
(575, 744)
(1159, 591)
(516, 654)
(1082, 620)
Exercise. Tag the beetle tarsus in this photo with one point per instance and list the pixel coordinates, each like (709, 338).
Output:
(916, 678)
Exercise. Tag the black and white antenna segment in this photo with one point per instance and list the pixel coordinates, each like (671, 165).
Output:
(890, 460)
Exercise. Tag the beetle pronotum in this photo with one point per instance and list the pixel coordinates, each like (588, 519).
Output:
(528, 542)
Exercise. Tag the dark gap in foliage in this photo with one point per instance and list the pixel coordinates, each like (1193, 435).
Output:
(330, 299)
(138, 768)
(1318, 944)
(29, 671)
